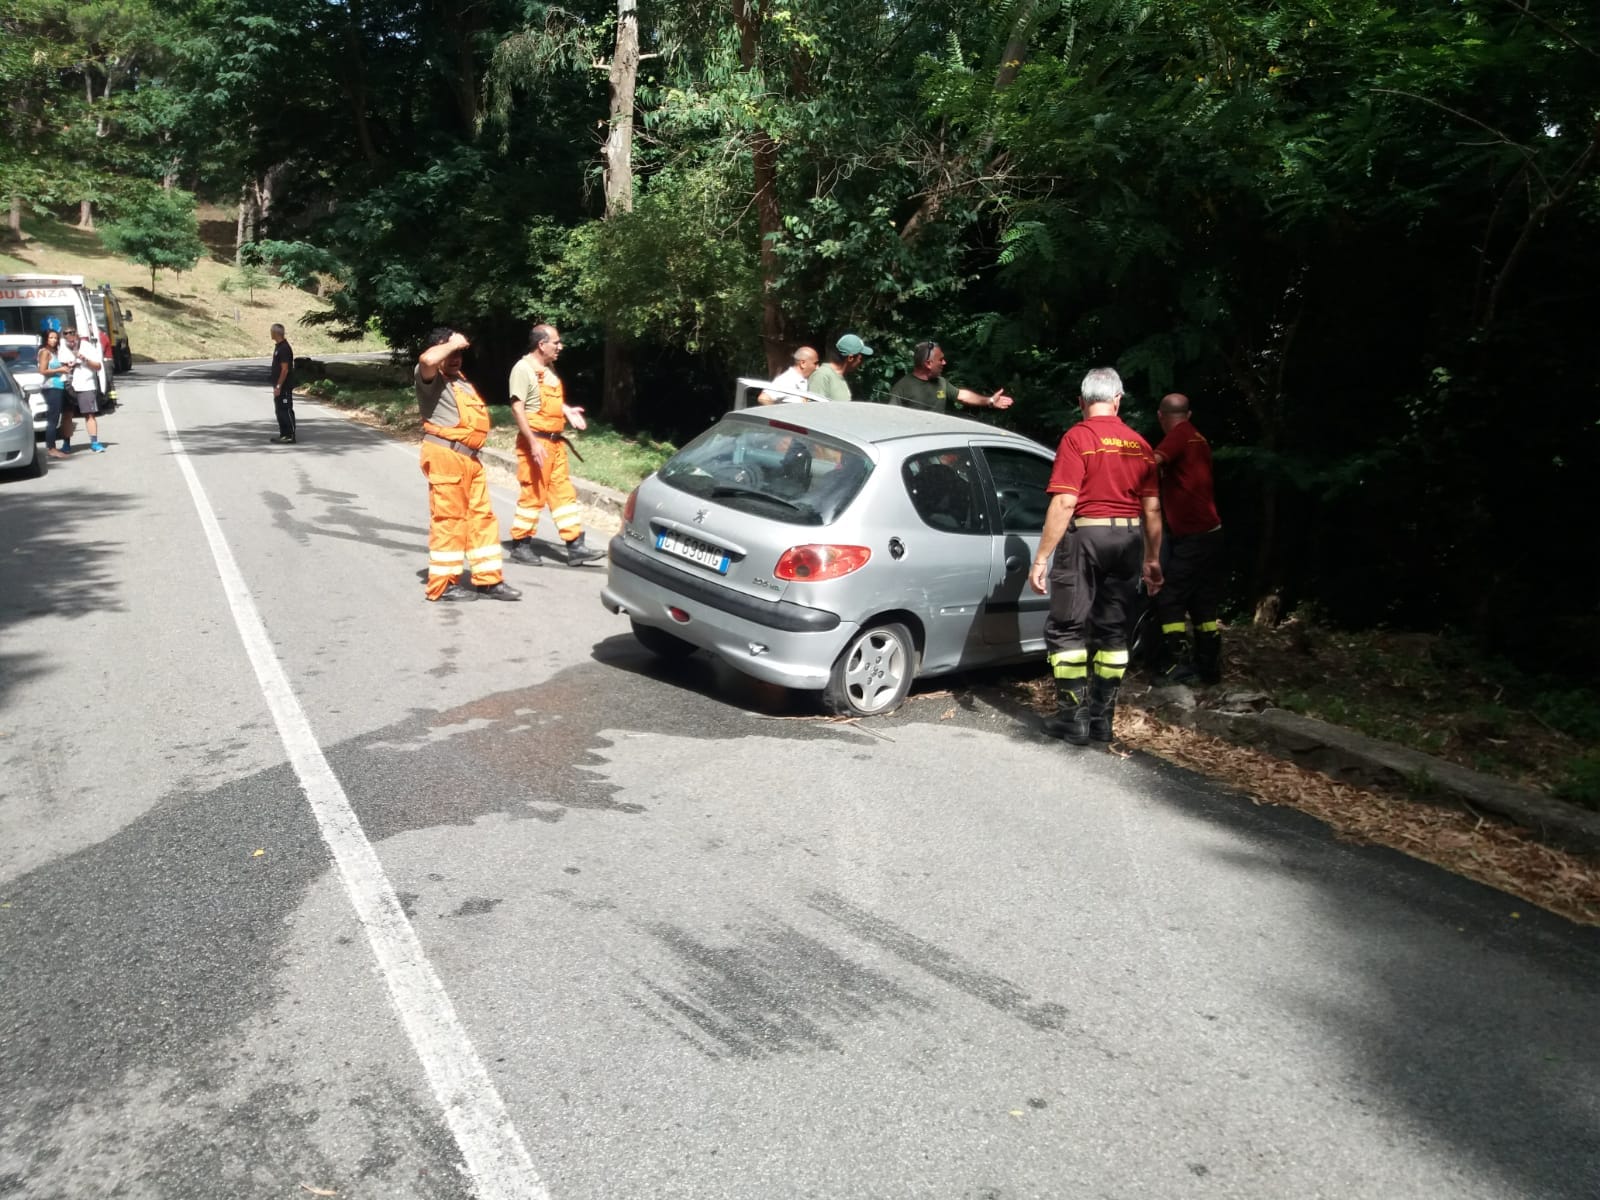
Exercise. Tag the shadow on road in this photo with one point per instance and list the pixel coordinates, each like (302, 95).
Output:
(1461, 1022)
(52, 566)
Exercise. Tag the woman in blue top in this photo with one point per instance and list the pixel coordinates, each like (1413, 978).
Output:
(55, 374)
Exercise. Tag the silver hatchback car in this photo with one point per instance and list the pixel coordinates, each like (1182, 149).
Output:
(847, 548)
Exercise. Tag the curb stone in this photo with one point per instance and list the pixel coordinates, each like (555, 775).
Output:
(1350, 757)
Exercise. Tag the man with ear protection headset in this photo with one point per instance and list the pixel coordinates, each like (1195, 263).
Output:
(926, 386)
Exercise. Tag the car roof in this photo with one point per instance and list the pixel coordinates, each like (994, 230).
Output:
(20, 339)
(877, 423)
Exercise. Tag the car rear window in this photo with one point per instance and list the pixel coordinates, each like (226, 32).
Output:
(772, 468)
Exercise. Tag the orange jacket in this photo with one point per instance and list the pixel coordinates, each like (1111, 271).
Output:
(473, 431)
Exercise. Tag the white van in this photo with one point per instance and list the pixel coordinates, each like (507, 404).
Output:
(26, 300)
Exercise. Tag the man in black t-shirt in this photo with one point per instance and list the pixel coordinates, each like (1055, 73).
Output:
(283, 384)
(926, 387)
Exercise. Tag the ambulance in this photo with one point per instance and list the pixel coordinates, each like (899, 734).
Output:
(27, 300)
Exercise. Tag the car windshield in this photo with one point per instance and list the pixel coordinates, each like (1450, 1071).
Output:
(29, 318)
(772, 468)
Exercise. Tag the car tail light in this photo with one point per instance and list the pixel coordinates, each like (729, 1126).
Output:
(812, 564)
(627, 509)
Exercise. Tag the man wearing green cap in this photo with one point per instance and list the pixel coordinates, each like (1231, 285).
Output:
(828, 381)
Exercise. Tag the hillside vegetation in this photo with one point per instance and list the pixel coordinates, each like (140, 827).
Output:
(190, 316)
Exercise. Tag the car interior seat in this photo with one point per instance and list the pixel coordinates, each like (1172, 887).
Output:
(943, 498)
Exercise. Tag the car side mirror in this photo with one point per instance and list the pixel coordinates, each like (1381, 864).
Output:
(127, 314)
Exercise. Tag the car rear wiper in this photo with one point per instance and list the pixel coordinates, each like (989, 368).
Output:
(731, 489)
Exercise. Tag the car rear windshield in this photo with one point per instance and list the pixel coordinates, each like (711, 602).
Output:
(772, 468)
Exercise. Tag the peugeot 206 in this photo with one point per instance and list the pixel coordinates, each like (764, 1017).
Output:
(843, 548)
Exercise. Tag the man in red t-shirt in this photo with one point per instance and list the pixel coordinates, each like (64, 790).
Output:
(1102, 531)
(1194, 550)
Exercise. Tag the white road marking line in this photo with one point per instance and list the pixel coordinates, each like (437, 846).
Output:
(498, 1164)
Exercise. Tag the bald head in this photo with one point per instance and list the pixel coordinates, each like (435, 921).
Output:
(805, 361)
(1174, 410)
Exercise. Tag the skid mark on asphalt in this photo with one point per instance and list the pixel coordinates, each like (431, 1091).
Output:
(777, 990)
(994, 991)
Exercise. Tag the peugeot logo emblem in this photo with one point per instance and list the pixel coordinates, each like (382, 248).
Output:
(700, 517)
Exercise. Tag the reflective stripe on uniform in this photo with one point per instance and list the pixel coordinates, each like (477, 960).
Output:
(1208, 626)
(1110, 664)
(1175, 627)
(448, 572)
(1070, 664)
(447, 556)
(568, 516)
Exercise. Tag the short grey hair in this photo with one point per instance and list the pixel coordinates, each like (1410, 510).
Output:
(1100, 386)
(276, 329)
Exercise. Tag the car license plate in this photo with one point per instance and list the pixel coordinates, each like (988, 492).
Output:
(695, 552)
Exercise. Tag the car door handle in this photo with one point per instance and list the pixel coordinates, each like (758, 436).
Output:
(1015, 563)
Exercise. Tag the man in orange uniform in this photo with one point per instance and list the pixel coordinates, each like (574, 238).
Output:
(539, 403)
(463, 532)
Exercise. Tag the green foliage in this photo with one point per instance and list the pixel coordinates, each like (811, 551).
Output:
(247, 278)
(158, 230)
(1580, 781)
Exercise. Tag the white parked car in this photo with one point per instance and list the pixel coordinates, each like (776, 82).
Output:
(20, 353)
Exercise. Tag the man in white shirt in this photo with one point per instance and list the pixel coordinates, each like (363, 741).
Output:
(84, 385)
(791, 385)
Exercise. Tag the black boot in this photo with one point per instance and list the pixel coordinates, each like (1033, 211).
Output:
(457, 592)
(1071, 722)
(1102, 707)
(522, 551)
(1208, 655)
(578, 553)
(1174, 661)
(498, 591)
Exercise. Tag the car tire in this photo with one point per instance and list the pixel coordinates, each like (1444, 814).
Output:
(123, 361)
(873, 674)
(661, 643)
(40, 464)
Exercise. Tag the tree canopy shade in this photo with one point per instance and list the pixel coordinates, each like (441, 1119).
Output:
(1361, 235)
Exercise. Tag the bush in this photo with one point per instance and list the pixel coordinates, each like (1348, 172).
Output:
(1580, 782)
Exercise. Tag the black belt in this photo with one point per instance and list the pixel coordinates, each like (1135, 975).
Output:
(557, 437)
(459, 447)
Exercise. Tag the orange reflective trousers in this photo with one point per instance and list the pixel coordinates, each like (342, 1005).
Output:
(463, 533)
(551, 485)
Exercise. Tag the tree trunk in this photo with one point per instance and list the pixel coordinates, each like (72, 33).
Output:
(14, 220)
(617, 404)
(748, 15)
(355, 82)
(85, 205)
(239, 225)
(617, 401)
(619, 137)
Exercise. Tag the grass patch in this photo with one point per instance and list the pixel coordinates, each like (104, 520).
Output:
(189, 316)
(382, 392)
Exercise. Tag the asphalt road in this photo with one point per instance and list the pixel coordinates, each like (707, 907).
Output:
(307, 884)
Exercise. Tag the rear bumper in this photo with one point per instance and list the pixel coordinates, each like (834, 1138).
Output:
(774, 640)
